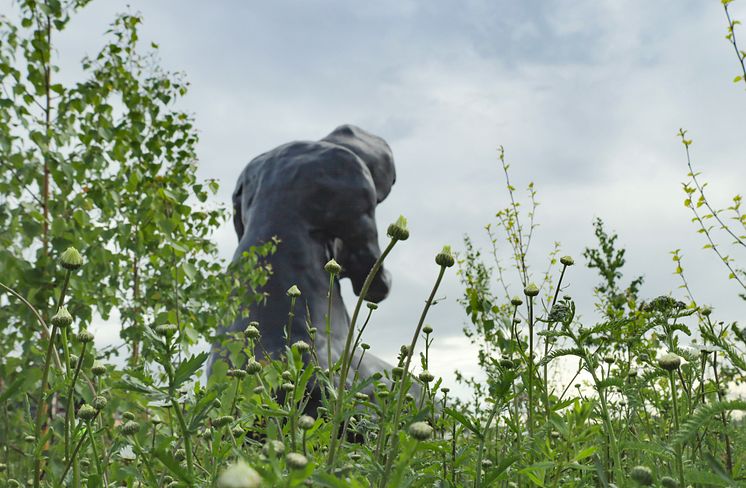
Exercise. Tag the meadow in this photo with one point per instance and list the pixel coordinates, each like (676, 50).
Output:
(102, 215)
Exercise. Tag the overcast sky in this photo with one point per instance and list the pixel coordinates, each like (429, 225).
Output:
(585, 96)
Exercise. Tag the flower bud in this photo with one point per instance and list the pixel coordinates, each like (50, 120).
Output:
(86, 412)
(277, 447)
(237, 431)
(252, 331)
(99, 402)
(71, 259)
(445, 390)
(85, 337)
(668, 482)
(398, 230)
(296, 460)
(258, 390)
(306, 422)
(98, 368)
(427, 329)
(567, 260)
(289, 386)
(364, 346)
(397, 372)
(420, 431)
(360, 396)
(179, 455)
(705, 311)
(222, 421)
(332, 267)
(426, 376)
(166, 330)
(531, 290)
(444, 258)
(287, 375)
(130, 427)
(516, 301)
(236, 373)
(642, 475)
(301, 346)
(669, 361)
(293, 292)
(62, 318)
(253, 366)
(239, 475)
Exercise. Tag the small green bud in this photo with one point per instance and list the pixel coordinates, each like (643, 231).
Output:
(287, 376)
(516, 301)
(237, 431)
(301, 346)
(62, 318)
(642, 475)
(332, 267)
(397, 372)
(507, 363)
(486, 463)
(398, 230)
(288, 386)
(668, 482)
(669, 362)
(85, 337)
(130, 427)
(306, 422)
(74, 359)
(258, 390)
(567, 260)
(252, 331)
(420, 431)
(253, 366)
(296, 461)
(86, 412)
(99, 402)
(239, 475)
(236, 373)
(222, 421)
(293, 292)
(275, 446)
(531, 290)
(705, 311)
(426, 377)
(3, 467)
(427, 329)
(166, 330)
(71, 259)
(444, 258)
(128, 416)
(362, 397)
(445, 390)
(98, 368)
(206, 433)
(29, 439)
(364, 346)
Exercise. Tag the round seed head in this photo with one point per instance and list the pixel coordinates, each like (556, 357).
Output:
(567, 260)
(642, 475)
(306, 422)
(62, 318)
(130, 427)
(98, 368)
(239, 475)
(293, 292)
(398, 230)
(669, 361)
(71, 259)
(253, 366)
(252, 331)
(444, 258)
(85, 337)
(296, 460)
(426, 376)
(420, 431)
(332, 267)
(531, 290)
(86, 412)
(99, 402)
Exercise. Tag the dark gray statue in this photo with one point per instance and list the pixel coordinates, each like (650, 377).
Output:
(319, 198)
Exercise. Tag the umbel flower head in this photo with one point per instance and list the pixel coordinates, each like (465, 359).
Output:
(62, 318)
(71, 259)
(239, 475)
(398, 230)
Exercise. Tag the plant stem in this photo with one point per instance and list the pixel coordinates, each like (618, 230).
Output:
(674, 401)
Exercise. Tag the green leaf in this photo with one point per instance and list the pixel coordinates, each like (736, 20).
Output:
(186, 368)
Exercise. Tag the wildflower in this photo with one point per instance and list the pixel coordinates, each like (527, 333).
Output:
(301, 346)
(239, 475)
(130, 427)
(274, 446)
(531, 290)
(293, 292)
(444, 258)
(252, 330)
(62, 318)
(253, 366)
(642, 475)
(296, 460)
(426, 376)
(332, 267)
(567, 260)
(85, 337)
(222, 421)
(98, 368)
(420, 431)
(86, 412)
(306, 422)
(127, 453)
(71, 259)
(669, 362)
(427, 329)
(398, 230)
(99, 402)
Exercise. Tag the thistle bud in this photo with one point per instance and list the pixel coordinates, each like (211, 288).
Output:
(62, 318)
(669, 361)
(296, 461)
(332, 267)
(85, 337)
(239, 475)
(420, 431)
(252, 331)
(71, 259)
(306, 422)
(444, 258)
(293, 292)
(642, 475)
(398, 230)
(531, 290)
(86, 412)
(99, 402)
(567, 260)
(253, 366)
